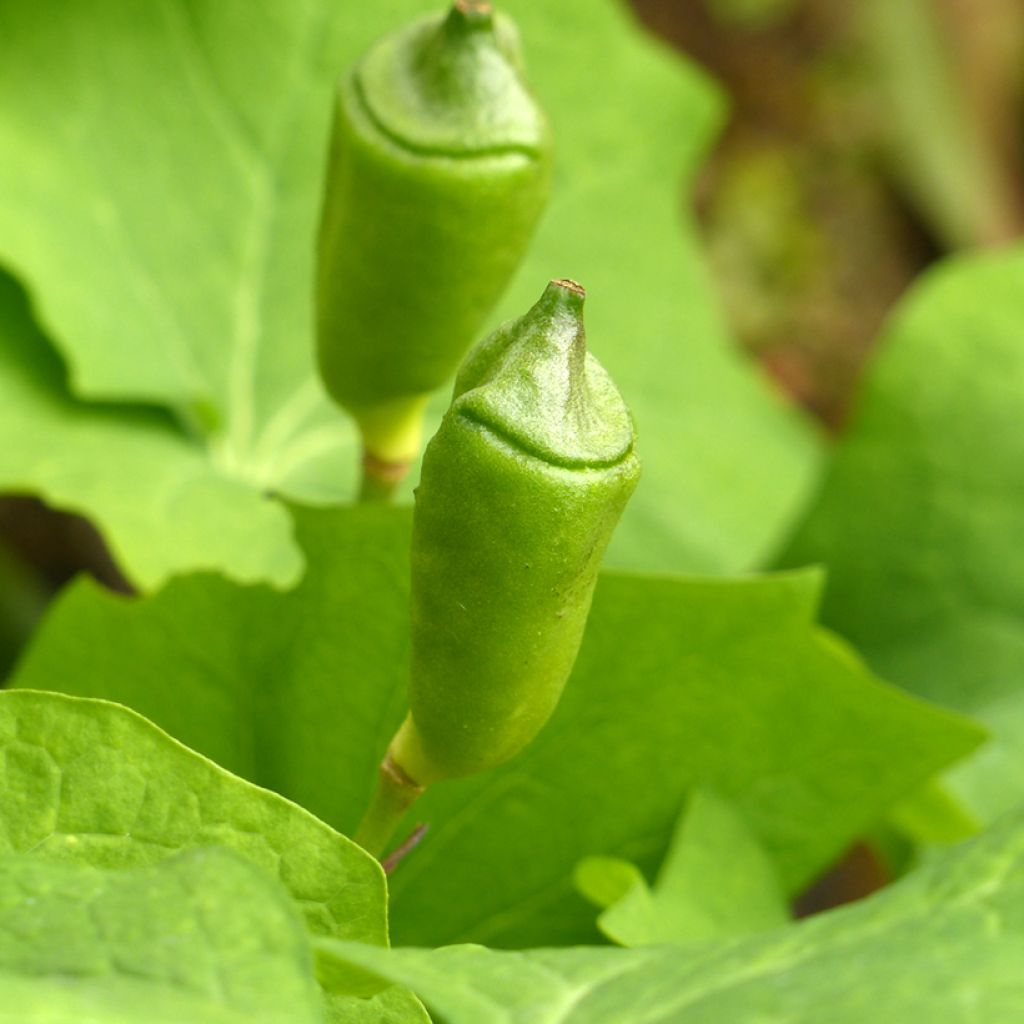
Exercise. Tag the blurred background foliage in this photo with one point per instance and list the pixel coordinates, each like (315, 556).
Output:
(864, 141)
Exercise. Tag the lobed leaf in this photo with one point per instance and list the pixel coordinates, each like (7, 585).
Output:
(715, 882)
(156, 498)
(874, 962)
(160, 168)
(680, 682)
(202, 937)
(92, 783)
(919, 519)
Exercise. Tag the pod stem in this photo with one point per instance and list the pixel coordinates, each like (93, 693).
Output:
(392, 432)
(394, 795)
(380, 479)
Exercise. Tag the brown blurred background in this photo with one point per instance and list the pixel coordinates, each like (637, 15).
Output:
(865, 140)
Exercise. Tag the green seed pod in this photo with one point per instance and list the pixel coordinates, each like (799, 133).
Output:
(521, 489)
(438, 172)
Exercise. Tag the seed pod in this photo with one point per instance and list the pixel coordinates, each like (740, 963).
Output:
(438, 171)
(522, 486)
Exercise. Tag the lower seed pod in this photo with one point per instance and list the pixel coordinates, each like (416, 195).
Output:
(521, 488)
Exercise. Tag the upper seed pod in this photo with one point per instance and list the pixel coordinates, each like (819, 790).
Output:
(438, 171)
(522, 486)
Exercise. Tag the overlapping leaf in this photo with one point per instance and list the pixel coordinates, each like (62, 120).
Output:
(202, 937)
(715, 882)
(158, 499)
(945, 946)
(920, 519)
(679, 682)
(160, 169)
(91, 782)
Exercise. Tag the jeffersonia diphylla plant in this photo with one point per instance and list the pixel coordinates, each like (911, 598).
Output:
(684, 754)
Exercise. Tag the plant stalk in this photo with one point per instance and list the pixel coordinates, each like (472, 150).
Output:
(380, 479)
(394, 795)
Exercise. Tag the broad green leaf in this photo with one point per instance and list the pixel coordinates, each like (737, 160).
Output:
(726, 684)
(944, 946)
(391, 1006)
(920, 519)
(160, 170)
(152, 492)
(202, 937)
(933, 816)
(92, 782)
(715, 882)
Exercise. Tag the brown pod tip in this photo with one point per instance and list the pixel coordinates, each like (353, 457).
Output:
(570, 285)
(473, 12)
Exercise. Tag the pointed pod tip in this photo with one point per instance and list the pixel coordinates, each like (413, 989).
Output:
(473, 12)
(565, 294)
(570, 286)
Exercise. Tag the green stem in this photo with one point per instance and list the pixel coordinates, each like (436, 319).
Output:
(394, 795)
(392, 433)
(380, 479)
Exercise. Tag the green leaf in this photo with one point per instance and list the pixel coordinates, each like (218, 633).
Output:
(94, 782)
(919, 520)
(875, 962)
(715, 882)
(160, 170)
(202, 937)
(153, 493)
(91, 782)
(393, 1005)
(933, 816)
(680, 681)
